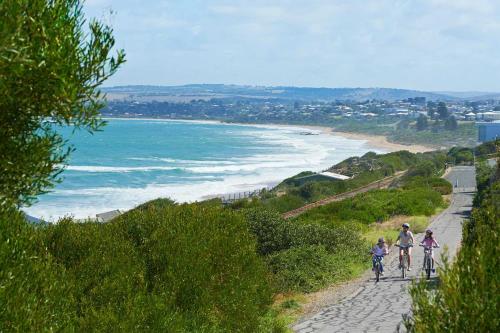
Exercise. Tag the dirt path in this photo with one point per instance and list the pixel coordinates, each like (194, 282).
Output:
(383, 183)
(367, 306)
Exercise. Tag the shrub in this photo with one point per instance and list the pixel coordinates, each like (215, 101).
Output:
(439, 185)
(423, 169)
(270, 229)
(466, 300)
(159, 204)
(304, 268)
(377, 206)
(461, 155)
(203, 259)
(189, 268)
(335, 239)
(106, 271)
(35, 292)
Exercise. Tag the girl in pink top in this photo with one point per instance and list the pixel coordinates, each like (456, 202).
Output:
(430, 242)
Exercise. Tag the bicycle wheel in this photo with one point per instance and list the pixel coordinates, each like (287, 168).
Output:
(403, 267)
(428, 267)
(377, 272)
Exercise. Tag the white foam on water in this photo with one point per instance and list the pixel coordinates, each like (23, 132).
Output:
(92, 168)
(294, 153)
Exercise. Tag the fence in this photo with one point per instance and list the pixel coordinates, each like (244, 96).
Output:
(232, 197)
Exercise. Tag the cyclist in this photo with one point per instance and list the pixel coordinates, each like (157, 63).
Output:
(429, 241)
(405, 240)
(379, 251)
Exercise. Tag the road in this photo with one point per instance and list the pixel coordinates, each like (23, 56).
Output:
(379, 307)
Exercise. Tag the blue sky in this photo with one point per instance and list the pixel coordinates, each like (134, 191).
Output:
(415, 44)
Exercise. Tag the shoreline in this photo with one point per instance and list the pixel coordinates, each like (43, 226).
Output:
(375, 141)
(370, 142)
(380, 141)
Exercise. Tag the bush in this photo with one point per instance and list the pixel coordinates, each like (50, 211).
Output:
(376, 206)
(106, 272)
(439, 185)
(203, 259)
(305, 268)
(422, 169)
(466, 300)
(461, 155)
(270, 229)
(335, 239)
(35, 293)
(189, 268)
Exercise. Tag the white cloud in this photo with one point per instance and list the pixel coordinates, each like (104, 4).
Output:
(402, 43)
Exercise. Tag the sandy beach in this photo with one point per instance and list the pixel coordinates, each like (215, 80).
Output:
(375, 141)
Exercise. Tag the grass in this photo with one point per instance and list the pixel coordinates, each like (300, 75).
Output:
(390, 229)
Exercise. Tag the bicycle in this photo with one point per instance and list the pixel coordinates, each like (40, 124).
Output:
(404, 261)
(427, 260)
(377, 267)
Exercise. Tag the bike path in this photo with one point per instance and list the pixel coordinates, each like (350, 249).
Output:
(379, 306)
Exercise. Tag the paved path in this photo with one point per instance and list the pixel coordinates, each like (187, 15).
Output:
(378, 307)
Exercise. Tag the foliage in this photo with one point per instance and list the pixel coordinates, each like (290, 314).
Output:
(205, 259)
(270, 229)
(422, 123)
(422, 169)
(308, 268)
(35, 294)
(487, 148)
(451, 123)
(440, 185)
(466, 300)
(377, 205)
(288, 247)
(174, 269)
(275, 234)
(50, 72)
(461, 155)
(464, 135)
(363, 170)
(442, 110)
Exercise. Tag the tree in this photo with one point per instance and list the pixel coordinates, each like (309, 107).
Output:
(442, 110)
(450, 123)
(51, 67)
(403, 124)
(431, 112)
(422, 123)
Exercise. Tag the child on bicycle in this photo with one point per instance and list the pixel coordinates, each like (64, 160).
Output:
(429, 241)
(379, 251)
(405, 240)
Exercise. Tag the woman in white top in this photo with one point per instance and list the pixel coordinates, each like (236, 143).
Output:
(406, 240)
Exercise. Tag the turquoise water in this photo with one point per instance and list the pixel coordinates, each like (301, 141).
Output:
(132, 161)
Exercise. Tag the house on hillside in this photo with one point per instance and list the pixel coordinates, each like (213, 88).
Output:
(321, 176)
(107, 216)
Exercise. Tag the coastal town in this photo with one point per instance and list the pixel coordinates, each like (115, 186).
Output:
(470, 120)
(259, 110)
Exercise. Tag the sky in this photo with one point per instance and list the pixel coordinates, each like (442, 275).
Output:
(434, 45)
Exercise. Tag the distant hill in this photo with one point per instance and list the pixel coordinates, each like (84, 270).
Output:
(206, 91)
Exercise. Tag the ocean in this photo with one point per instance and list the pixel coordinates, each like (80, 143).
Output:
(135, 160)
